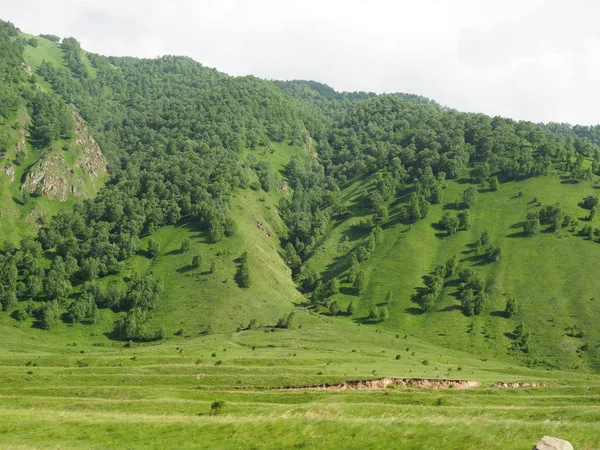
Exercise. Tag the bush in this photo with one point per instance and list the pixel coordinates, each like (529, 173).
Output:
(374, 313)
(589, 202)
(153, 248)
(216, 407)
(492, 253)
(351, 309)
(20, 314)
(334, 308)
(243, 274)
(512, 308)
(185, 245)
(286, 321)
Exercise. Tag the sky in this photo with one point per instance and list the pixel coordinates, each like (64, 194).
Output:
(535, 60)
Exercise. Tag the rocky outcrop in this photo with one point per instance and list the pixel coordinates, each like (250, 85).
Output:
(552, 443)
(381, 383)
(91, 159)
(52, 177)
(21, 145)
(49, 176)
(500, 384)
(262, 228)
(9, 170)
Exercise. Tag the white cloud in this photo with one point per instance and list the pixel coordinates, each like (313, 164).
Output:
(527, 59)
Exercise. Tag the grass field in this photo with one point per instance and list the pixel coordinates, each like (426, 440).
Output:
(91, 393)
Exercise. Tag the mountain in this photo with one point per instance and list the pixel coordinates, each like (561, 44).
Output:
(285, 235)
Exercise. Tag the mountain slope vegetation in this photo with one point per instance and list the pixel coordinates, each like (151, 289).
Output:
(152, 205)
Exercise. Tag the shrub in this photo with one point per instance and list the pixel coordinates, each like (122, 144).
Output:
(216, 407)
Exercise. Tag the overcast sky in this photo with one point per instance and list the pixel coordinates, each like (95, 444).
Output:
(527, 59)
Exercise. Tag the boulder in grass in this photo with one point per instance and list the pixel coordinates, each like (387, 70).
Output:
(552, 443)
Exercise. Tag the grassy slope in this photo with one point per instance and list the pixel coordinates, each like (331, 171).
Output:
(542, 272)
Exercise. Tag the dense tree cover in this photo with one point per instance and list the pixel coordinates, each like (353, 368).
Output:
(320, 105)
(51, 119)
(584, 138)
(50, 37)
(375, 131)
(11, 71)
(72, 55)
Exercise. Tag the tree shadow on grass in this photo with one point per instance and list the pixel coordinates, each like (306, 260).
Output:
(18, 201)
(396, 219)
(144, 254)
(347, 290)
(354, 233)
(414, 311)
(402, 196)
(455, 282)
(466, 180)
(186, 268)
(337, 267)
(455, 206)
(437, 226)
(304, 303)
(476, 259)
(483, 261)
(366, 321)
(450, 308)
(498, 314)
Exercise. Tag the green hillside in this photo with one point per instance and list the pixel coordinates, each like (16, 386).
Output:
(49, 158)
(192, 259)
